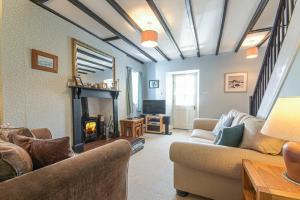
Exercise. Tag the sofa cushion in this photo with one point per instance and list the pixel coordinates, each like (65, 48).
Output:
(224, 121)
(255, 140)
(6, 134)
(203, 134)
(231, 137)
(239, 118)
(14, 161)
(44, 152)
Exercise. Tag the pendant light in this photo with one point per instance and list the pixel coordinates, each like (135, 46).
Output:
(252, 53)
(149, 38)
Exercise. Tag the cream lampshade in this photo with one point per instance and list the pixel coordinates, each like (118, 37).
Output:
(284, 123)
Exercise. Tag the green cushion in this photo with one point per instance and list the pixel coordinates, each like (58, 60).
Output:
(231, 137)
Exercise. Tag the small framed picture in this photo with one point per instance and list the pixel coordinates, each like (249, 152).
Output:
(236, 82)
(78, 81)
(44, 61)
(153, 83)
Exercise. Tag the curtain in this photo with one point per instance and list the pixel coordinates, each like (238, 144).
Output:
(140, 95)
(129, 91)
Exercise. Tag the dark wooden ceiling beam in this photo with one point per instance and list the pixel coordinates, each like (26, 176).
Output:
(124, 14)
(261, 30)
(125, 52)
(40, 1)
(190, 13)
(264, 39)
(111, 39)
(222, 26)
(132, 23)
(164, 25)
(255, 17)
(98, 19)
(84, 29)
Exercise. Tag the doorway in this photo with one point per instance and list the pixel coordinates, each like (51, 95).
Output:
(185, 98)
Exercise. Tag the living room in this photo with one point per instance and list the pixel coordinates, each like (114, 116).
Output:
(134, 97)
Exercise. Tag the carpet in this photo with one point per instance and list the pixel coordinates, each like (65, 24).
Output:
(150, 175)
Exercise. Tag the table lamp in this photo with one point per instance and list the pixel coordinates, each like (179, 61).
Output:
(284, 123)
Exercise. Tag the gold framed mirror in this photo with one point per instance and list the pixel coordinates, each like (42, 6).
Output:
(92, 65)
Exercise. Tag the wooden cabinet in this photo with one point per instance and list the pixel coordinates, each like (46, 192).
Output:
(132, 127)
(267, 182)
(154, 124)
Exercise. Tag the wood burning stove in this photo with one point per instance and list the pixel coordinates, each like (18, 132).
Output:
(89, 129)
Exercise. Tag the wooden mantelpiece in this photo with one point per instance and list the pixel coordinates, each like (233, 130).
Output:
(79, 92)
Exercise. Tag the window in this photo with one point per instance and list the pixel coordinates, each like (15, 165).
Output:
(135, 87)
(184, 89)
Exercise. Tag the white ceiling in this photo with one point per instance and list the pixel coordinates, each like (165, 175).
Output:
(207, 15)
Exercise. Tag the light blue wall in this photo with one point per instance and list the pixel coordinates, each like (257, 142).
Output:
(291, 86)
(213, 100)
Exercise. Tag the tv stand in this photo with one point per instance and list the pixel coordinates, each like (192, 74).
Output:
(154, 124)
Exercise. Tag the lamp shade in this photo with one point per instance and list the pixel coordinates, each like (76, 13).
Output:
(252, 53)
(149, 38)
(284, 119)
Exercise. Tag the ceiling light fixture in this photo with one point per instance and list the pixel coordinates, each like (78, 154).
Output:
(149, 38)
(252, 53)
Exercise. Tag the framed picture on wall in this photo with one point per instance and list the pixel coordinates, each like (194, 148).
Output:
(44, 61)
(153, 83)
(236, 82)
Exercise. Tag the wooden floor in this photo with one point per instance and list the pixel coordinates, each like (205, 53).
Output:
(100, 142)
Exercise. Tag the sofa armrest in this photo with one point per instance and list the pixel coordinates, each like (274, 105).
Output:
(98, 173)
(217, 159)
(205, 123)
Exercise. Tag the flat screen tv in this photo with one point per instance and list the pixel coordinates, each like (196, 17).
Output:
(154, 107)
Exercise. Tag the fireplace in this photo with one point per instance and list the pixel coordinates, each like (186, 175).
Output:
(88, 128)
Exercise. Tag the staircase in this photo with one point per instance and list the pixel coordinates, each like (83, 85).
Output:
(279, 30)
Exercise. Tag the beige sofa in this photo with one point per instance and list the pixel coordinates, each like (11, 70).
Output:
(209, 170)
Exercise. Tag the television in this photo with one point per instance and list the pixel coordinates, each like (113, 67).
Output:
(154, 107)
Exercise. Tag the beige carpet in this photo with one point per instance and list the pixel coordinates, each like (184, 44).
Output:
(151, 171)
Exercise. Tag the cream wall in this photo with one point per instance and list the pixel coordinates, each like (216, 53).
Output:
(34, 98)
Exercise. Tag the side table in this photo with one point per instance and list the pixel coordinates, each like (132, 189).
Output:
(132, 127)
(262, 181)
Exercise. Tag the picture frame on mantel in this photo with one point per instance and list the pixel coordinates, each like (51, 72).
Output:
(44, 61)
(236, 82)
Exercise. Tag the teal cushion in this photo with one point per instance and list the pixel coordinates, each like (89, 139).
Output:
(231, 137)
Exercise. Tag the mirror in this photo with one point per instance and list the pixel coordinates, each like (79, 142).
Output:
(94, 67)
